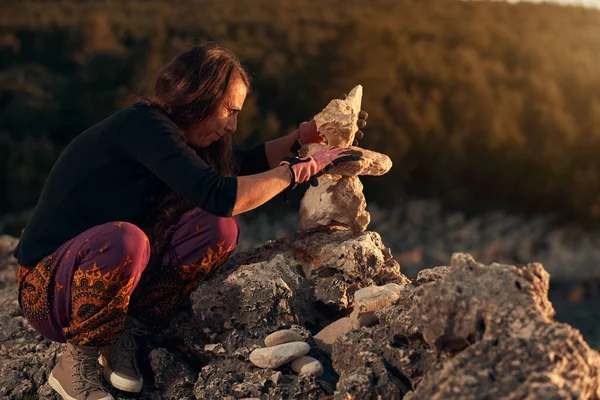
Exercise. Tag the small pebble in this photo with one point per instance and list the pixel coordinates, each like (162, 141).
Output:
(215, 348)
(276, 377)
(307, 366)
(276, 356)
(281, 337)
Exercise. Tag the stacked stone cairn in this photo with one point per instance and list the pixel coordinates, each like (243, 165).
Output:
(338, 199)
(282, 347)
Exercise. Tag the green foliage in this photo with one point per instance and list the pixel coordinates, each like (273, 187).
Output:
(481, 104)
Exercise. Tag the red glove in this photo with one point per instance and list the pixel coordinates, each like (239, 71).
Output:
(307, 131)
(303, 169)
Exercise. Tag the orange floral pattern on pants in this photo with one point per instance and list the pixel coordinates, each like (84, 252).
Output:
(83, 291)
(100, 302)
(170, 286)
(33, 290)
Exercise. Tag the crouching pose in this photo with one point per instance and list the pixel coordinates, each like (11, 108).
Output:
(139, 209)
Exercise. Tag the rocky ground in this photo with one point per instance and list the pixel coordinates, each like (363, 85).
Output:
(420, 234)
(461, 330)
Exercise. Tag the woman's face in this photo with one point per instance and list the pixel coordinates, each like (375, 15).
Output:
(222, 122)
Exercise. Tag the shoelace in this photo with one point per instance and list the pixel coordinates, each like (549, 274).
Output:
(89, 377)
(126, 347)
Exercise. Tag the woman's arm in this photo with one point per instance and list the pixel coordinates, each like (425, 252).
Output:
(255, 190)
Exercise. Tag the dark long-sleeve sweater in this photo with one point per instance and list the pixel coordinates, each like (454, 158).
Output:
(112, 170)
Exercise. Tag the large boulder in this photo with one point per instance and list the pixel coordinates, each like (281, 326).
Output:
(469, 331)
(301, 279)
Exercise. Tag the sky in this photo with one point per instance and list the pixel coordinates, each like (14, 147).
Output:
(588, 3)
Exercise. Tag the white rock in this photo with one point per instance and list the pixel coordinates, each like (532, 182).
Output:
(394, 287)
(336, 201)
(282, 336)
(307, 366)
(370, 299)
(337, 123)
(372, 294)
(276, 356)
(328, 335)
(371, 162)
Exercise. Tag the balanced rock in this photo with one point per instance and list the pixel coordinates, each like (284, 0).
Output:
(337, 200)
(337, 123)
(276, 356)
(371, 162)
(281, 337)
(307, 366)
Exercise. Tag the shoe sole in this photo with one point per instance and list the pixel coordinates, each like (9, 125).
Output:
(126, 385)
(55, 384)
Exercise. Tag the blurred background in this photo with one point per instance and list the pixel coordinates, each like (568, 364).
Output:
(490, 111)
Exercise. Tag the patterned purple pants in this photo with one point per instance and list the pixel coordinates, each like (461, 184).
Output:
(83, 291)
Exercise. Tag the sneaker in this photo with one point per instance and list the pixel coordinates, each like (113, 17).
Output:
(120, 359)
(76, 377)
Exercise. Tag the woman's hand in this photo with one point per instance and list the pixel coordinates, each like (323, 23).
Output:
(286, 146)
(307, 131)
(307, 168)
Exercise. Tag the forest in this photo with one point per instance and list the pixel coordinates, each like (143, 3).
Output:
(480, 104)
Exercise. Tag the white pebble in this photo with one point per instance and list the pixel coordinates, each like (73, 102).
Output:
(276, 356)
(281, 337)
(307, 366)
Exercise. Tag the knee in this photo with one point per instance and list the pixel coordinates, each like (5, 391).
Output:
(127, 241)
(225, 230)
(219, 229)
(229, 231)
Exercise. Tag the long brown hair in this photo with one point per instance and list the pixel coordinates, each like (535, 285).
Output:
(189, 89)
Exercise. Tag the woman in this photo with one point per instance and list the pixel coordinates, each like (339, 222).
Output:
(85, 276)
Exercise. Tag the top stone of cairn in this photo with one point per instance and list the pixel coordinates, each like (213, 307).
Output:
(337, 123)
